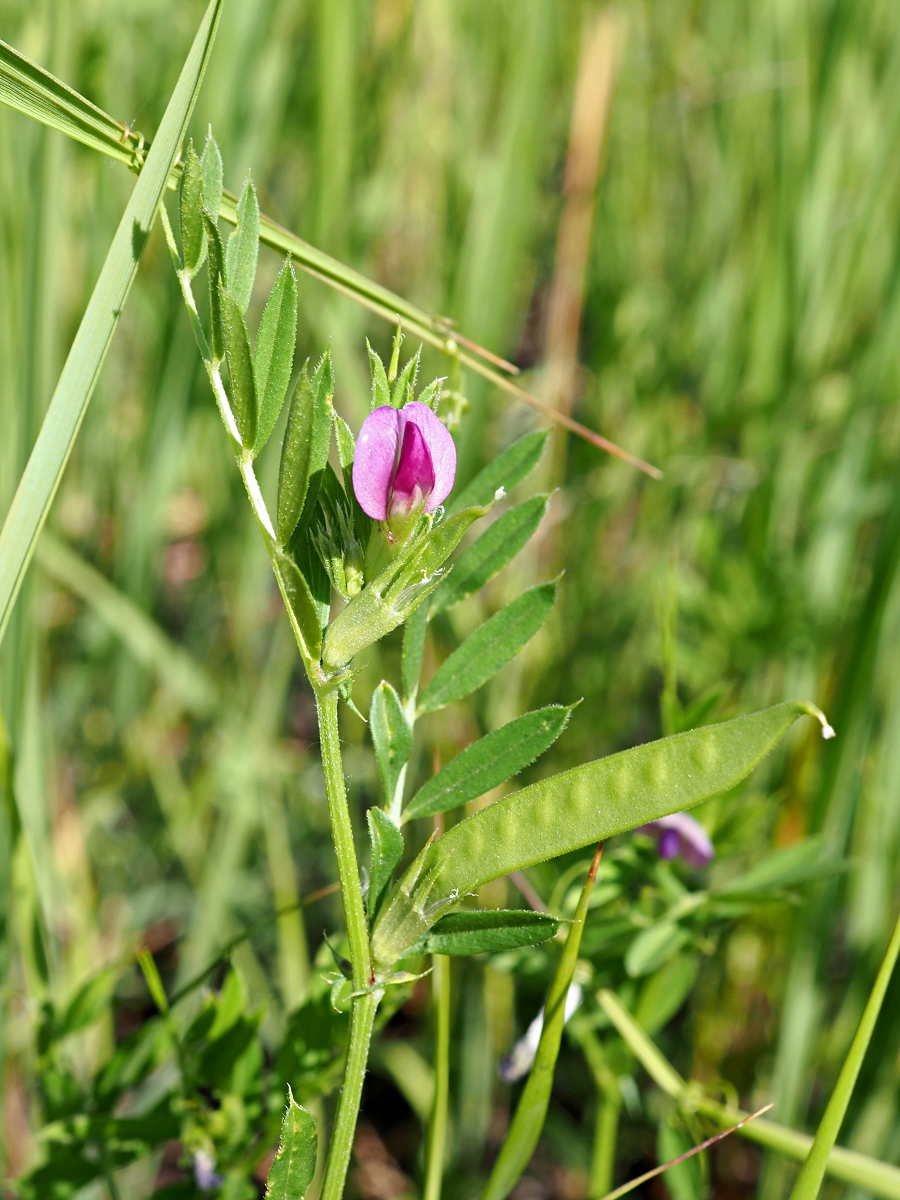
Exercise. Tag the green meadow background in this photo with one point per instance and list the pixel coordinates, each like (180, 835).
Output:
(740, 330)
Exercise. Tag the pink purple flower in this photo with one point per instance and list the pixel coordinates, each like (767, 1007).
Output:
(680, 835)
(405, 460)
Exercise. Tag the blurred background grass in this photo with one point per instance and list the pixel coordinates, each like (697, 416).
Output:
(739, 329)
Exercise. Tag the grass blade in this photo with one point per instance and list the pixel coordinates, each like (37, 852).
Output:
(523, 1134)
(810, 1179)
(38, 485)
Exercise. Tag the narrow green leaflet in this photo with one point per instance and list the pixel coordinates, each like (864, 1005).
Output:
(507, 469)
(381, 392)
(810, 1179)
(211, 168)
(413, 651)
(305, 449)
(294, 1165)
(489, 648)
(273, 359)
(484, 931)
(302, 606)
(391, 736)
(40, 480)
(190, 208)
(588, 804)
(486, 557)
(531, 1111)
(387, 849)
(490, 761)
(243, 247)
(239, 357)
(216, 275)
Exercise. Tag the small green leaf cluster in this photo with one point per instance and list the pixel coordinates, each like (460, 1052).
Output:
(211, 1083)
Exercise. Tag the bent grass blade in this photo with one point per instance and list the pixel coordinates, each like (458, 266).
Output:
(848, 1166)
(37, 93)
(40, 480)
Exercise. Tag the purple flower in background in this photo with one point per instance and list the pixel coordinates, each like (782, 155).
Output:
(680, 834)
(405, 460)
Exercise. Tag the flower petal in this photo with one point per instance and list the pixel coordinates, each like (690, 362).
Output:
(693, 843)
(376, 460)
(440, 447)
(414, 478)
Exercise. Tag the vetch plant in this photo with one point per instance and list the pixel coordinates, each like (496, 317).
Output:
(375, 532)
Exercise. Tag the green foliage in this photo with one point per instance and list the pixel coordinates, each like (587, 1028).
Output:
(273, 358)
(391, 737)
(486, 931)
(239, 357)
(486, 557)
(242, 248)
(506, 470)
(489, 648)
(305, 449)
(490, 761)
(294, 1166)
(190, 204)
(386, 842)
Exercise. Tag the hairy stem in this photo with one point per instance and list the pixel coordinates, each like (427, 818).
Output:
(437, 1126)
(362, 1019)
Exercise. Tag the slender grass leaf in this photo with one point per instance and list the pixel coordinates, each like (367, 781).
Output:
(294, 1165)
(531, 1111)
(177, 669)
(486, 557)
(190, 207)
(489, 648)
(785, 868)
(217, 278)
(654, 946)
(848, 1166)
(273, 359)
(413, 651)
(243, 247)
(391, 736)
(490, 761)
(810, 1179)
(239, 357)
(35, 92)
(589, 803)
(387, 849)
(40, 480)
(507, 469)
(211, 167)
(487, 932)
(305, 449)
(381, 392)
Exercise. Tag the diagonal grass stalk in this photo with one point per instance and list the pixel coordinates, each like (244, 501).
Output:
(40, 481)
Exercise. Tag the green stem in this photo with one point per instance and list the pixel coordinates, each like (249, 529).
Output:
(342, 836)
(362, 1015)
(362, 1019)
(437, 1125)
